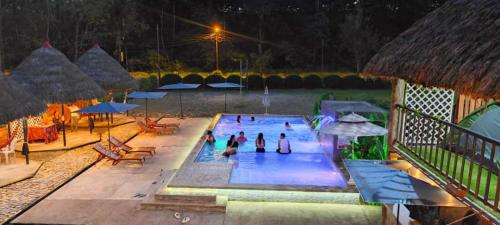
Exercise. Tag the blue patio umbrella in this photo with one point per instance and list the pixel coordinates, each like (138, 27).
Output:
(225, 85)
(146, 95)
(380, 181)
(108, 107)
(179, 86)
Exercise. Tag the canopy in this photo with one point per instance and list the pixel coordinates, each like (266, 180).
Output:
(179, 86)
(146, 95)
(16, 102)
(105, 70)
(225, 85)
(377, 182)
(108, 107)
(354, 125)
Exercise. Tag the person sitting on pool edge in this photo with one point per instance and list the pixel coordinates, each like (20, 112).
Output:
(238, 119)
(283, 145)
(241, 139)
(231, 146)
(210, 137)
(260, 143)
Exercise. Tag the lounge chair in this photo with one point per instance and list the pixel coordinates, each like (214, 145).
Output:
(115, 157)
(153, 123)
(117, 144)
(158, 130)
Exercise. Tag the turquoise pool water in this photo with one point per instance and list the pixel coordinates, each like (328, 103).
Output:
(306, 166)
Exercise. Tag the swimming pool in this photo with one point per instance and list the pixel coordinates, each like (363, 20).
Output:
(306, 166)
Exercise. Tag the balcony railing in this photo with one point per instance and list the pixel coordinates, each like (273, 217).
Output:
(461, 157)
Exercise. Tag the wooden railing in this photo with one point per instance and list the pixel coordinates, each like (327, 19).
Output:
(464, 158)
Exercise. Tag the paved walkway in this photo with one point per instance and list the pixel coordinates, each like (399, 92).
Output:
(112, 195)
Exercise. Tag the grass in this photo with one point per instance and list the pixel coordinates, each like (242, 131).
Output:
(467, 164)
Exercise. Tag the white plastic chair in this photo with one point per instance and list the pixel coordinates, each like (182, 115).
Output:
(9, 149)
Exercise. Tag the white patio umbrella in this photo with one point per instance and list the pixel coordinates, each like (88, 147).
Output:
(266, 101)
(354, 125)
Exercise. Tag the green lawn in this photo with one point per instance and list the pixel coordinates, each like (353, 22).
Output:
(460, 163)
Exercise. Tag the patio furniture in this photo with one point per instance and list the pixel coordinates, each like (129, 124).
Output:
(117, 144)
(158, 130)
(47, 133)
(115, 157)
(9, 149)
(153, 123)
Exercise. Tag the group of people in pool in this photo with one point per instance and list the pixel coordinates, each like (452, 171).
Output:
(260, 143)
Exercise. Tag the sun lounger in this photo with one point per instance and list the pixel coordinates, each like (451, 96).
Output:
(158, 130)
(117, 144)
(153, 123)
(115, 157)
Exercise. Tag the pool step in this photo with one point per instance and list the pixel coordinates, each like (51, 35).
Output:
(170, 201)
(202, 199)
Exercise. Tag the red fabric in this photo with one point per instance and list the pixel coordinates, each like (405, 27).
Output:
(46, 45)
(47, 133)
(97, 45)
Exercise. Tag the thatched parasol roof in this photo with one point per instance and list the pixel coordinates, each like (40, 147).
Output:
(456, 46)
(105, 70)
(50, 76)
(15, 102)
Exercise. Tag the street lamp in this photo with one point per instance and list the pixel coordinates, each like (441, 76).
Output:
(217, 36)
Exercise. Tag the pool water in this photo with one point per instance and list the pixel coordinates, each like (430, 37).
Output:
(306, 166)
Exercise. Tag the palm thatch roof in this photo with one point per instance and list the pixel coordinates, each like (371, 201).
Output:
(456, 46)
(50, 76)
(15, 102)
(105, 70)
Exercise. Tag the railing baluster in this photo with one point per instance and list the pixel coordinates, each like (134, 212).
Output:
(497, 194)
(450, 144)
(488, 178)
(424, 139)
(400, 125)
(420, 138)
(455, 162)
(478, 178)
(405, 119)
(464, 154)
(472, 162)
(443, 147)
(434, 142)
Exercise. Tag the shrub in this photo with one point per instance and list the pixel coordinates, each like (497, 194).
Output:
(193, 79)
(235, 79)
(255, 82)
(312, 81)
(293, 81)
(381, 84)
(148, 84)
(333, 81)
(274, 82)
(170, 79)
(354, 81)
(214, 79)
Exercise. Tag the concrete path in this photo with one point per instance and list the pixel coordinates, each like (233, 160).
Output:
(108, 194)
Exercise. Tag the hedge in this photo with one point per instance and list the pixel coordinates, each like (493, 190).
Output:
(214, 79)
(170, 79)
(193, 79)
(354, 81)
(235, 79)
(333, 81)
(255, 82)
(293, 81)
(313, 81)
(148, 84)
(274, 82)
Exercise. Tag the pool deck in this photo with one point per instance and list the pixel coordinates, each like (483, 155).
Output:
(108, 194)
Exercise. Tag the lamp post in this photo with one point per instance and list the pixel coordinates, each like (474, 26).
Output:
(217, 36)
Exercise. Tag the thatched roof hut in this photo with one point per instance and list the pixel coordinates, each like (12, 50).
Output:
(456, 46)
(15, 102)
(105, 70)
(50, 76)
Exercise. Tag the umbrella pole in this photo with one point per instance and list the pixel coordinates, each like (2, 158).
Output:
(180, 101)
(8, 130)
(146, 108)
(109, 133)
(25, 148)
(63, 125)
(397, 216)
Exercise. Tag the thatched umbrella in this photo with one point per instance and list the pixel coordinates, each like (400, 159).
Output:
(17, 103)
(50, 76)
(105, 70)
(456, 46)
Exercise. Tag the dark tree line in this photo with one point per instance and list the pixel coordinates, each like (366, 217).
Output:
(272, 35)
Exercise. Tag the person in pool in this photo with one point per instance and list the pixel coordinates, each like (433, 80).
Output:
(287, 125)
(252, 118)
(238, 119)
(241, 139)
(260, 143)
(231, 146)
(210, 137)
(283, 145)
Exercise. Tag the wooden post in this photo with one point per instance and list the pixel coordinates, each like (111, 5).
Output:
(397, 97)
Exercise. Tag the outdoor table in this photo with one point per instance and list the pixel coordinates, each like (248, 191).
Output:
(47, 133)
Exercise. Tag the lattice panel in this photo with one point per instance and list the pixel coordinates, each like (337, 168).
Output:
(435, 102)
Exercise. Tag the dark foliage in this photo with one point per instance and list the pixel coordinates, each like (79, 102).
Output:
(215, 79)
(293, 81)
(275, 82)
(170, 79)
(354, 81)
(148, 84)
(333, 81)
(255, 82)
(312, 81)
(193, 79)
